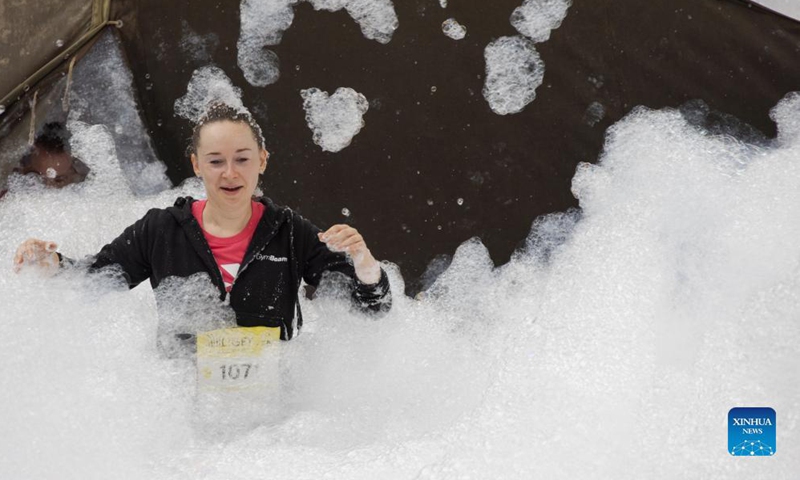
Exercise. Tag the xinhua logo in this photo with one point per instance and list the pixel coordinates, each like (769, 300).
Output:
(751, 432)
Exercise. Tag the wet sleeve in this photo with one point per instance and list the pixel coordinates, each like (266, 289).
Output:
(126, 257)
(317, 259)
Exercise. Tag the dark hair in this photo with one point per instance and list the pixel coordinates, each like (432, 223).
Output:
(52, 138)
(220, 112)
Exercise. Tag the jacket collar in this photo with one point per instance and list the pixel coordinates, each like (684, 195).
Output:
(274, 216)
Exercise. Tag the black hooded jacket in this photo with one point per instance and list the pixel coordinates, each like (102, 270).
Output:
(284, 250)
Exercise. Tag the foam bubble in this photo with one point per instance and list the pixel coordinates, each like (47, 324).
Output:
(262, 24)
(261, 67)
(594, 113)
(453, 29)
(102, 93)
(671, 296)
(443, 3)
(537, 18)
(596, 80)
(78, 328)
(334, 119)
(786, 115)
(177, 317)
(200, 48)
(86, 343)
(94, 145)
(514, 71)
(377, 18)
(208, 85)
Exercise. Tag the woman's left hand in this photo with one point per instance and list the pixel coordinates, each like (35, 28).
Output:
(344, 238)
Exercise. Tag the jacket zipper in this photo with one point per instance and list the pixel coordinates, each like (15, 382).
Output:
(244, 266)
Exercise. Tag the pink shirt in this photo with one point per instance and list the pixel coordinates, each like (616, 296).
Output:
(229, 251)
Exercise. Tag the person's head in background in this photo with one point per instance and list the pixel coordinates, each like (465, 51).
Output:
(50, 158)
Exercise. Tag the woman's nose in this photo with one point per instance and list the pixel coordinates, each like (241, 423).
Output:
(229, 169)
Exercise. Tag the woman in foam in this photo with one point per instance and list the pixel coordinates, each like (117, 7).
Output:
(253, 251)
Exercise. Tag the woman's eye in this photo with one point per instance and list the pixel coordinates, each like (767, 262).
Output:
(215, 162)
(242, 160)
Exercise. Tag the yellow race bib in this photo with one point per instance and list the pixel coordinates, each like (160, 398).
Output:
(237, 358)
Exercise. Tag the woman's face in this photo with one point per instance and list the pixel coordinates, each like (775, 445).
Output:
(229, 160)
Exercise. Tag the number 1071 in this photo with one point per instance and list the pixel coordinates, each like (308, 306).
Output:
(236, 371)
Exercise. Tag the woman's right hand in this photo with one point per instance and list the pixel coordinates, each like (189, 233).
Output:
(39, 253)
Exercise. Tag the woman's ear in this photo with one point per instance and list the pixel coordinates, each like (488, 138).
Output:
(264, 157)
(195, 165)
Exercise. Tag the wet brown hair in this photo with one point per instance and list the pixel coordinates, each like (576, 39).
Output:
(220, 112)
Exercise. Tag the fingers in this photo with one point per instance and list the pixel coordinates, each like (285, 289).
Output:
(17, 258)
(343, 238)
(35, 252)
(17, 263)
(328, 234)
(352, 240)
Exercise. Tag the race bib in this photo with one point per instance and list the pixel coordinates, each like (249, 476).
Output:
(237, 358)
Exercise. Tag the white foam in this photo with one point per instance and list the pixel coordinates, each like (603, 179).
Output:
(199, 48)
(334, 119)
(102, 93)
(208, 85)
(377, 18)
(262, 24)
(453, 29)
(178, 317)
(787, 116)
(514, 71)
(84, 343)
(594, 113)
(94, 145)
(537, 18)
(443, 3)
(672, 296)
